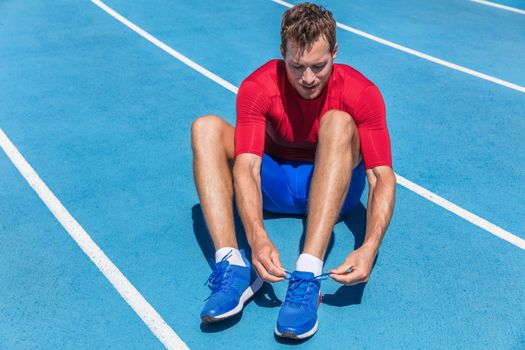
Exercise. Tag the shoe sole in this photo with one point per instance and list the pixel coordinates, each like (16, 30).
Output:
(247, 294)
(292, 335)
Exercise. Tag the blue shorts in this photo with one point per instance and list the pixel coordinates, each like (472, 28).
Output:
(285, 185)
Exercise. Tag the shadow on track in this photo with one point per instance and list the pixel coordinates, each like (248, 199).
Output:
(355, 220)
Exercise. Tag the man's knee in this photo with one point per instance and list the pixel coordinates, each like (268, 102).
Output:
(207, 128)
(337, 126)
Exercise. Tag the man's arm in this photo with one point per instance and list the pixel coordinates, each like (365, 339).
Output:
(247, 186)
(382, 187)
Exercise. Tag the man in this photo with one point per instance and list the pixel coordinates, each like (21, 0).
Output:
(307, 131)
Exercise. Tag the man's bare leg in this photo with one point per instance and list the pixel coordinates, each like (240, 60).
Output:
(336, 156)
(213, 153)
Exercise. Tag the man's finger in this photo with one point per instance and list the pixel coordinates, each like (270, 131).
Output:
(269, 268)
(342, 269)
(278, 267)
(349, 279)
(338, 278)
(346, 279)
(272, 269)
(263, 273)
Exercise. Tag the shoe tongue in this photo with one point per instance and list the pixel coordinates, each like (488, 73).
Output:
(300, 287)
(223, 265)
(303, 274)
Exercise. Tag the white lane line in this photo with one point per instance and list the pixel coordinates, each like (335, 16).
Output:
(465, 214)
(165, 47)
(130, 294)
(502, 7)
(423, 55)
(476, 220)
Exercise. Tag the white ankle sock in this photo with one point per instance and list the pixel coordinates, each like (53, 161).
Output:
(309, 263)
(235, 256)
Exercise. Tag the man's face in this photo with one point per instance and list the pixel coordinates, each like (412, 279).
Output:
(308, 70)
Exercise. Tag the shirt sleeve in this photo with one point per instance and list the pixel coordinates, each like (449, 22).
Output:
(370, 116)
(253, 102)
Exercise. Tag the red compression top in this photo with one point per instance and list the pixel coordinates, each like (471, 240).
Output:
(273, 118)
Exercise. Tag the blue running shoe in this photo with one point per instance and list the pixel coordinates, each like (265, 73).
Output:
(231, 286)
(298, 315)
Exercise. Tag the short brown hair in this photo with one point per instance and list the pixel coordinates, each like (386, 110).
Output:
(305, 23)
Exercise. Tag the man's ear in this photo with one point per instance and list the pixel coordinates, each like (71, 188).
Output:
(336, 50)
(283, 52)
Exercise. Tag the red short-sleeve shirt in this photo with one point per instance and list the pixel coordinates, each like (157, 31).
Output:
(273, 118)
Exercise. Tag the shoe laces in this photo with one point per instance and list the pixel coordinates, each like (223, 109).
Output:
(217, 280)
(297, 289)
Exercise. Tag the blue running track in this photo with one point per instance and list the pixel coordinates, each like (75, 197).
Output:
(103, 117)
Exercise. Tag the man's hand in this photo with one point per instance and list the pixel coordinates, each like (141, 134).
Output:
(265, 259)
(359, 262)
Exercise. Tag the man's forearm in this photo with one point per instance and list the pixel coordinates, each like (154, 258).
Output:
(249, 203)
(247, 187)
(380, 210)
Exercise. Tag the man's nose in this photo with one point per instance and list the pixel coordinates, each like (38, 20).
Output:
(308, 77)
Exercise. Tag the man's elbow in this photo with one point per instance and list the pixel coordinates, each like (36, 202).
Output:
(388, 178)
(244, 167)
(383, 176)
(239, 171)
